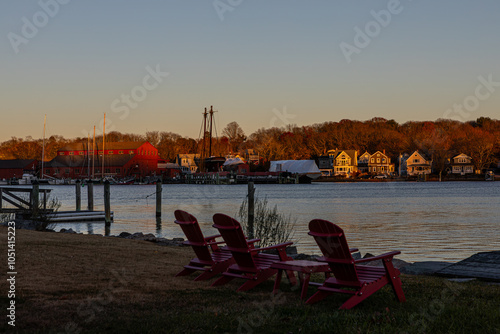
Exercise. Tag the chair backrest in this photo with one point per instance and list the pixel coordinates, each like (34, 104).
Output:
(191, 229)
(233, 235)
(333, 244)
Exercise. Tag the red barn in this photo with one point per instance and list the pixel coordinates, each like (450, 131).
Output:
(16, 168)
(121, 159)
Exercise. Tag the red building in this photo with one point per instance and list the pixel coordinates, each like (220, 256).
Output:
(16, 168)
(121, 159)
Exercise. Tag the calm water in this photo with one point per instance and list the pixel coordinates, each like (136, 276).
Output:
(425, 221)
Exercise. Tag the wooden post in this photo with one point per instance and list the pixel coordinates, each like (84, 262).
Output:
(35, 192)
(90, 193)
(107, 202)
(78, 196)
(158, 198)
(1, 194)
(251, 205)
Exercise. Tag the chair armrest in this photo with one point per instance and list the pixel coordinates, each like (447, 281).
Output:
(212, 237)
(251, 241)
(379, 257)
(353, 250)
(216, 242)
(285, 244)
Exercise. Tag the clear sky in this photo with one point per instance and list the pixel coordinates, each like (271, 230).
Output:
(260, 63)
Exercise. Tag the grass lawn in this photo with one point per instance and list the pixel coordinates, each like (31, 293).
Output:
(70, 283)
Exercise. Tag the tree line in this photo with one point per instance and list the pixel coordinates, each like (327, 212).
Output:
(440, 140)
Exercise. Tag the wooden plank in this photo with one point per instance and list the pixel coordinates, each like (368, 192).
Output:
(8, 200)
(7, 192)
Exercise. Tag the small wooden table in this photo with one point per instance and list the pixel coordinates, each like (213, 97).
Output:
(301, 267)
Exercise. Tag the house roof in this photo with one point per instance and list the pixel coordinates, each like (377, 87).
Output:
(336, 153)
(118, 160)
(128, 145)
(15, 163)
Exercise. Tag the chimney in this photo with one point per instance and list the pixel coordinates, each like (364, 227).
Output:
(384, 151)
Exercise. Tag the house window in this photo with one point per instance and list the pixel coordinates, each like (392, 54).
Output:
(56, 171)
(61, 153)
(100, 152)
(110, 152)
(77, 171)
(415, 161)
(107, 170)
(378, 160)
(71, 153)
(383, 160)
(66, 171)
(120, 152)
(131, 152)
(117, 171)
(81, 153)
(373, 160)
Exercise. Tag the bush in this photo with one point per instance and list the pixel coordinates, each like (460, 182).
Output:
(270, 225)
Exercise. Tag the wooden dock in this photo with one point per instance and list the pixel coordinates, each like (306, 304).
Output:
(484, 266)
(78, 216)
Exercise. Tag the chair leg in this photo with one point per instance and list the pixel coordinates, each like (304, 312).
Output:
(216, 269)
(185, 272)
(222, 280)
(261, 277)
(398, 289)
(319, 295)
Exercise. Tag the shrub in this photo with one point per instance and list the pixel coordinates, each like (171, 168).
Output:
(270, 225)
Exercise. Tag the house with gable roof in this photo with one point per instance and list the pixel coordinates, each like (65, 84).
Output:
(418, 163)
(345, 162)
(462, 164)
(380, 163)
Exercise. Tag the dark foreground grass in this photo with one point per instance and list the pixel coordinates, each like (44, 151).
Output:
(106, 285)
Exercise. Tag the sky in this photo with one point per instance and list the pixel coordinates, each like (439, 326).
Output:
(155, 65)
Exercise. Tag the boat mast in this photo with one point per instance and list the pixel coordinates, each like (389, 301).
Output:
(88, 155)
(211, 120)
(93, 156)
(103, 140)
(43, 143)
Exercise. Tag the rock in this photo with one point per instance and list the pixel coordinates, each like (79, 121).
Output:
(425, 267)
(124, 235)
(136, 235)
(178, 239)
(67, 231)
(356, 256)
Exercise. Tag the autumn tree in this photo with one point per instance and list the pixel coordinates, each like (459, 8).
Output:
(235, 135)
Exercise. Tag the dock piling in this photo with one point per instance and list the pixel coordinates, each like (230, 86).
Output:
(158, 198)
(107, 202)
(90, 193)
(35, 198)
(78, 196)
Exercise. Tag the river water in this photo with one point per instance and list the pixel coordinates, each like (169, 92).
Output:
(445, 221)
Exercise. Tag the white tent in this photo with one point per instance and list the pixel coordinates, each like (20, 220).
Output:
(301, 167)
(233, 161)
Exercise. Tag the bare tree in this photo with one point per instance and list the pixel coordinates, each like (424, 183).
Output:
(235, 134)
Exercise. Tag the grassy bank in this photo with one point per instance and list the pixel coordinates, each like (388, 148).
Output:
(88, 284)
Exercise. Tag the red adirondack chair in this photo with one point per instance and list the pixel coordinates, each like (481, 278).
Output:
(350, 277)
(211, 259)
(251, 264)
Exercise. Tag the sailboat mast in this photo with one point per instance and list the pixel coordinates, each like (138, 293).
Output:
(93, 156)
(43, 143)
(103, 141)
(88, 155)
(211, 119)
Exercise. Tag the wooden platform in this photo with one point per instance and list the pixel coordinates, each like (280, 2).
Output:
(484, 266)
(78, 216)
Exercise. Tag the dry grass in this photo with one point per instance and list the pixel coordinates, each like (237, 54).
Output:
(91, 284)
